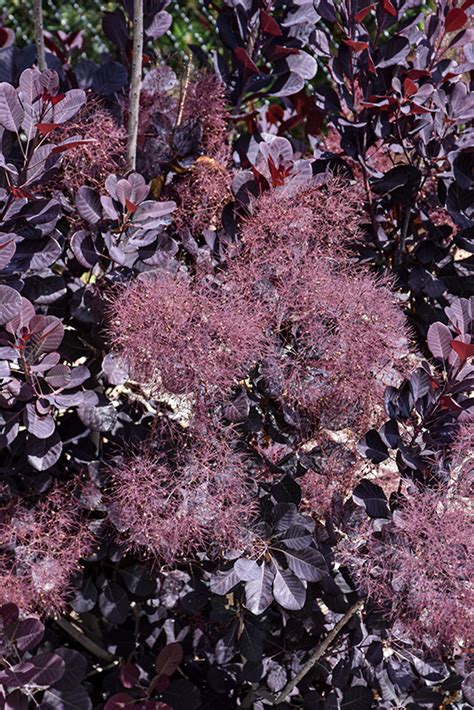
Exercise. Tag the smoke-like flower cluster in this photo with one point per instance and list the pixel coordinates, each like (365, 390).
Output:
(340, 329)
(91, 163)
(40, 548)
(188, 337)
(200, 502)
(202, 195)
(419, 568)
(205, 100)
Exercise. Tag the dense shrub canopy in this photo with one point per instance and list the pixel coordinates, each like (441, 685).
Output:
(236, 358)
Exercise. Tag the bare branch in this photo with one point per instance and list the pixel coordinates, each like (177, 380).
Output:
(135, 84)
(39, 34)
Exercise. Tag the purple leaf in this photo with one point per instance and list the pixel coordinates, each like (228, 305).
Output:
(289, 590)
(83, 249)
(307, 564)
(113, 603)
(372, 498)
(372, 447)
(49, 668)
(159, 25)
(223, 582)
(88, 205)
(10, 304)
(75, 669)
(439, 340)
(129, 674)
(297, 538)
(58, 377)
(40, 426)
(28, 633)
(11, 111)
(169, 659)
(258, 592)
(44, 453)
(7, 249)
(247, 569)
(68, 107)
(115, 369)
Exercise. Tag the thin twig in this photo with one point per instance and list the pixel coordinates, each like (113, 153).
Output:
(75, 632)
(320, 650)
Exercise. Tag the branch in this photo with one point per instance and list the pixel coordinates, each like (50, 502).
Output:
(39, 34)
(135, 84)
(320, 650)
(79, 636)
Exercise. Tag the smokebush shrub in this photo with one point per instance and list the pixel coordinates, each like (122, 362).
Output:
(236, 383)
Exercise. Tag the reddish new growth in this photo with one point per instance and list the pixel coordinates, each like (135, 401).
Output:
(92, 163)
(340, 328)
(40, 548)
(201, 503)
(185, 337)
(420, 568)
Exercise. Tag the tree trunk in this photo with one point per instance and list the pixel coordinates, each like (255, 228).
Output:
(135, 84)
(39, 34)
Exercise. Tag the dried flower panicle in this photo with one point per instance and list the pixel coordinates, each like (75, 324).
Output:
(91, 163)
(340, 328)
(190, 337)
(420, 569)
(202, 502)
(205, 100)
(40, 548)
(462, 460)
(202, 195)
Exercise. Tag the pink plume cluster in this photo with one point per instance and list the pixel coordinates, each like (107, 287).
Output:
(40, 548)
(206, 100)
(188, 337)
(340, 327)
(91, 163)
(202, 195)
(202, 502)
(420, 568)
(462, 460)
(207, 188)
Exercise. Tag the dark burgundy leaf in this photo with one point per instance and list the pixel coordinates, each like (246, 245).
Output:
(258, 591)
(288, 590)
(169, 659)
(372, 447)
(88, 205)
(75, 669)
(44, 453)
(113, 603)
(439, 340)
(49, 668)
(372, 498)
(390, 434)
(307, 564)
(10, 304)
(28, 633)
(129, 674)
(455, 19)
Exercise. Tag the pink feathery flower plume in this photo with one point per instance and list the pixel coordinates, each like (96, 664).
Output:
(420, 569)
(40, 548)
(186, 337)
(202, 502)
